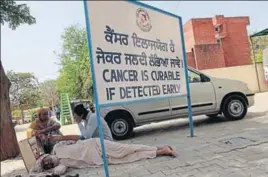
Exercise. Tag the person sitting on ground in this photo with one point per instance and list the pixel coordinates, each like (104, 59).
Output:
(44, 126)
(88, 125)
(88, 153)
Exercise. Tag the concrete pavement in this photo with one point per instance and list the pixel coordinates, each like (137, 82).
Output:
(219, 149)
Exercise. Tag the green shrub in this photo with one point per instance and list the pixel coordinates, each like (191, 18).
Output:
(16, 113)
(30, 113)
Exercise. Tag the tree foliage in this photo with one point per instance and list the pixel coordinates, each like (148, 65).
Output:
(15, 14)
(49, 93)
(258, 45)
(75, 76)
(24, 90)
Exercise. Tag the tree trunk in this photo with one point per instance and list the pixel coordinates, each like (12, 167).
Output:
(9, 144)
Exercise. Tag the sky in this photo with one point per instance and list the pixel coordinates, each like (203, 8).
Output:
(32, 48)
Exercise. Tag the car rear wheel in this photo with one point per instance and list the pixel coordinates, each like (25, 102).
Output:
(235, 107)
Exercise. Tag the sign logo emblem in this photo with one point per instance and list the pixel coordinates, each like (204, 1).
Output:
(143, 20)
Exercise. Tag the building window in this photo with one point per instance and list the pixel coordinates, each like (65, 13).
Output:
(219, 41)
(217, 29)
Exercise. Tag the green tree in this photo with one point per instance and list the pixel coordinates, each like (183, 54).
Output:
(24, 91)
(15, 14)
(258, 45)
(75, 76)
(49, 93)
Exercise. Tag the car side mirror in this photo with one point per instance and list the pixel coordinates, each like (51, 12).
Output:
(204, 78)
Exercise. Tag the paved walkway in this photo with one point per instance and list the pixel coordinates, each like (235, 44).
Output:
(220, 148)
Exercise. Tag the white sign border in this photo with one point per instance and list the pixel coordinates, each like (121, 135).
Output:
(135, 101)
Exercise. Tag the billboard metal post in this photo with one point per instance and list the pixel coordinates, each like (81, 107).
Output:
(189, 102)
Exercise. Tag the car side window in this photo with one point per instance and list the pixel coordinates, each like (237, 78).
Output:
(194, 77)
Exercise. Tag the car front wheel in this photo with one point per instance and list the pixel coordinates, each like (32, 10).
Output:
(235, 107)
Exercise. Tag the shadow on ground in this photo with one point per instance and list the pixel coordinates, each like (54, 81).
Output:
(20, 171)
(174, 125)
(256, 114)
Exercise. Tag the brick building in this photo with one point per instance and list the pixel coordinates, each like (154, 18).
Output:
(217, 42)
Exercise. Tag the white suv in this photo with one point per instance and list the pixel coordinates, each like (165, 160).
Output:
(210, 96)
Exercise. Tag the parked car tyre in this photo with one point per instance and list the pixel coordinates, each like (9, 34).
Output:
(234, 107)
(121, 125)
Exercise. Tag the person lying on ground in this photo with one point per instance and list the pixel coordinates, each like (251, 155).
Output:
(44, 126)
(88, 125)
(88, 153)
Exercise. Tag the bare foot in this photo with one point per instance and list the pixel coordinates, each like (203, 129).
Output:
(164, 147)
(174, 154)
(169, 151)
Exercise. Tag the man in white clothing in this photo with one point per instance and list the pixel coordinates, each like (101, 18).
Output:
(88, 124)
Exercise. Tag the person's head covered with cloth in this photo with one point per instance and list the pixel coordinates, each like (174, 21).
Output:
(48, 163)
